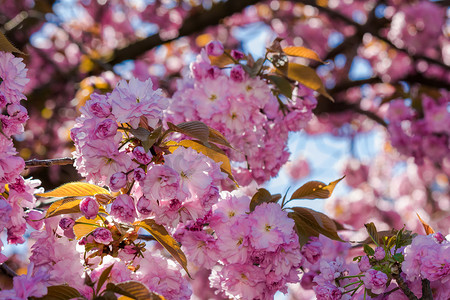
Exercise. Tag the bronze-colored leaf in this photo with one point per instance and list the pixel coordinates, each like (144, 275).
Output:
(164, 238)
(222, 60)
(315, 189)
(428, 229)
(302, 52)
(214, 154)
(315, 222)
(195, 129)
(282, 84)
(6, 45)
(261, 196)
(303, 230)
(75, 189)
(217, 138)
(103, 277)
(63, 206)
(306, 76)
(60, 292)
(373, 233)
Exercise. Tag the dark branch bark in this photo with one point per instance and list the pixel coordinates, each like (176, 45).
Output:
(49, 162)
(194, 23)
(7, 270)
(405, 289)
(426, 290)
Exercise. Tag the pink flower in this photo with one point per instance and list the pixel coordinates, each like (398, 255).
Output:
(89, 208)
(99, 106)
(214, 48)
(135, 99)
(143, 206)
(13, 74)
(271, 227)
(123, 208)
(364, 264)
(237, 55)
(106, 128)
(327, 291)
(312, 251)
(117, 181)
(33, 284)
(375, 281)
(162, 182)
(102, 235)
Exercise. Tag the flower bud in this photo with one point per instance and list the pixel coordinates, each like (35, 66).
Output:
(143, 206)
(102, 236)
(379, 253)
(123, 208)
(141, 156)
(214, 48)
(364, 264)
(117, 181)
(66, 223)
(237, 73)
(237, 55)
(89, 207)
(139, 174)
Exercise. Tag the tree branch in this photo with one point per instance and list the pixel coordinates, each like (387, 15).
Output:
(49, 162)
(426, 290)
(194, 23)
(405, 289)
(7, 270)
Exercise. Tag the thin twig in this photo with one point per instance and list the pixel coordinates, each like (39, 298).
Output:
(427, 294)
(7, 270)
(49, 162)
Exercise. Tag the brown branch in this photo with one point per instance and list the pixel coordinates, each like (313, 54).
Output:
(7, 270)
(405, 289)
(49, 162)
(194, 23)
(427, 294)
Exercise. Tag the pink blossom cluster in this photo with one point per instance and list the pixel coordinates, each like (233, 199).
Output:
(231, 102)
(428, 257)
(417, 136)
(252, 255)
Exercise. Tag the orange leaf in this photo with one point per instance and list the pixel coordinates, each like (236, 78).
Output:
(426, 227)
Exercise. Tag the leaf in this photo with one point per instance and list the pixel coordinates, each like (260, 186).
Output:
(163, 237)
(61, 292)
(282, 84)
(303, 230)
(132, 290)
(140, 133)
(306, 76)
(216, 137)
(195, 129)
(426, 227)
(302, 52)
(6, 45)
(373, 234)
(103, 277)
(222, 60)
(368, 250)
(312, 223)
(315, 189)
(214, 154)
(262, 196)
(75, 189)
(63, 206)
(84, 226)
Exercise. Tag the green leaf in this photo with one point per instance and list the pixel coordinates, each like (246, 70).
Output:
(368, 250)
(310, 223)
(315, 189)
(282, 84)
(373, 234)
(75, 189)
(302, 52)
(399, 257)
(262, 196)
(306, 76)
(63, 206)
(60, 292)
(195, 129)
(103, 277)
(140, 133)
(162, 236)
(6, 45)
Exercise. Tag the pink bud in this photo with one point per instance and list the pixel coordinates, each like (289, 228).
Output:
(214, 48)
(139, 174)
(89, 207)
(143, 206)
(117, 181)
(237, 73)
(379, 253)
(66, 223)
(102, 235)
(237, 55)
(364, 264)
(141, 156)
